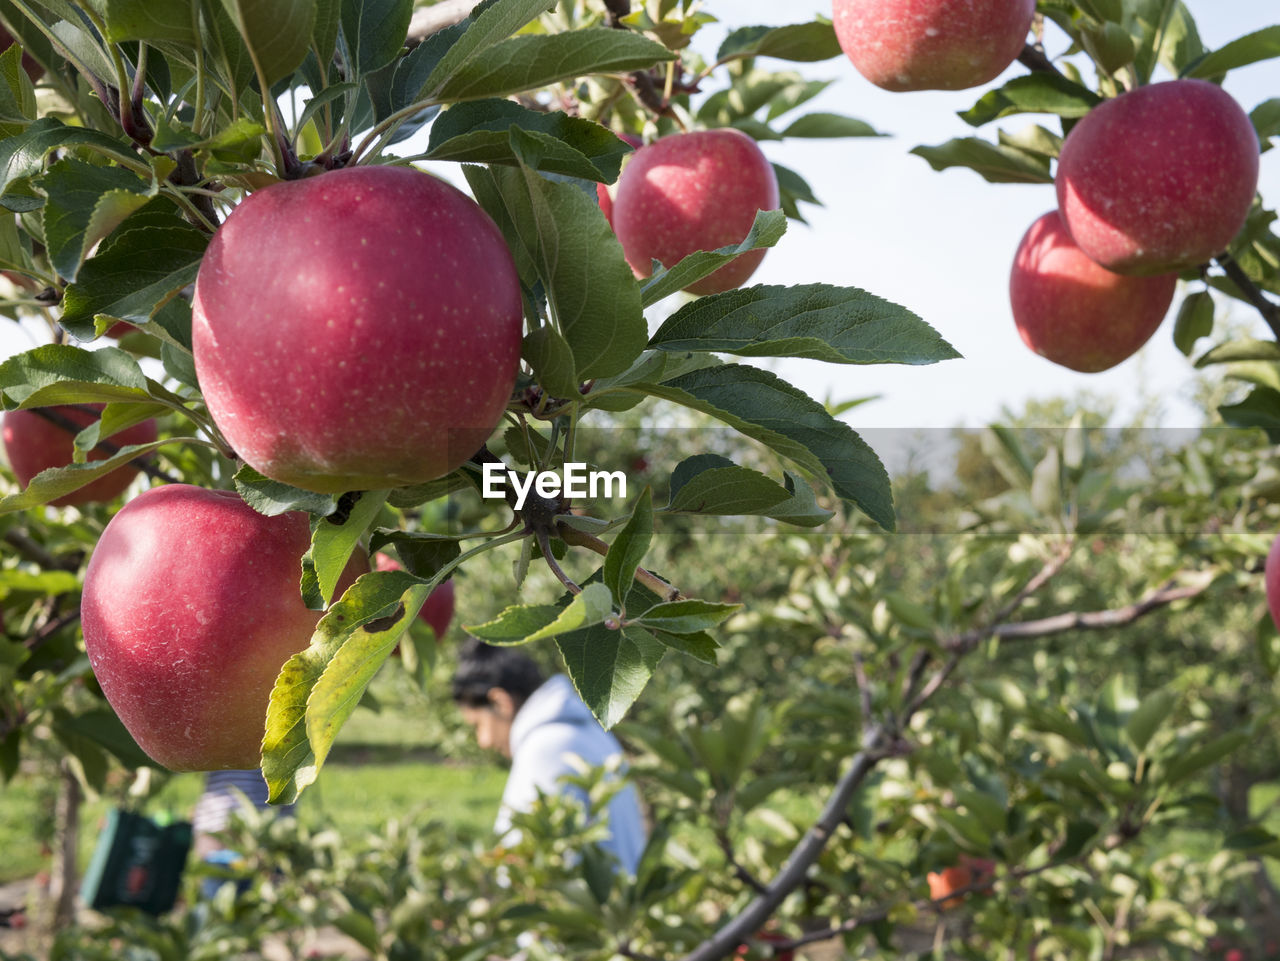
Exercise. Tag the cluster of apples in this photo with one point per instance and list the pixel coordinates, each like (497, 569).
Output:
(191, 601)
(1157, 180)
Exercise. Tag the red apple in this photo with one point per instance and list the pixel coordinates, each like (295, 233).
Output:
(191, 606)
(438, 609)
(967, 872)
(1160, 178)
(693, 191)
(603, 196)
(33, 444)
(357, 330)
(1075, 313)
(932, 44)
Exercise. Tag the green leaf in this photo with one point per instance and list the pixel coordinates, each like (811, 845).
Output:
(698, 645)
(1266, 121)
(277, 33)
(85, 203)
(133, 275)
(149, 20)
(515, 625)
(63, 374)
(1187, 764)
(1038, 92)
(766, 230)
(550, 358)
(1244, 349)
(714, 485)
(765, 407)
(1260, 409)
(363, 627)
(374, 31)
(610, 668)
(1046, 484)
(685, 617)
(17, 94)
(558, 231)
(483, 30)
(22, 156)
(40, 584)
(1147, 718)
(272, 498)
(1260, 45)
(839, 325)
(628, 549)
(527, 62)
(333, 541)
(479, 132)
(56, 482)
(1195, 320)
(800, 42)
(995, 163)
(830, 125)
(589, 608)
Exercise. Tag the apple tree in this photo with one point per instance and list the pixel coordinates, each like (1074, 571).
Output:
(346, 342)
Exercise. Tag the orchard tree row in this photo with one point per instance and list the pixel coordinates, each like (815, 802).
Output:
(319, 351)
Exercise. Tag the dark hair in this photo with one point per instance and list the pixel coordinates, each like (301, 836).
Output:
(482, 666)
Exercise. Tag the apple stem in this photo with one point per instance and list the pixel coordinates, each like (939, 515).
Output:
(544, 543)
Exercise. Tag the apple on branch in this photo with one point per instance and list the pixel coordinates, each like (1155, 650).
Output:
(689, 192)
(357, 330)
(191, 606)
(1160, 178)
(932, 44)
(34, 442)
(1075, 313)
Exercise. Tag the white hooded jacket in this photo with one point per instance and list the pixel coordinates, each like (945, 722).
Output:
(550, 727)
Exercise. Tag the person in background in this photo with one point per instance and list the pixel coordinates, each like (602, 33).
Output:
(224, 793)
(540, 725)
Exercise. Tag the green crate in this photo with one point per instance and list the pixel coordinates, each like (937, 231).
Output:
(136, 863)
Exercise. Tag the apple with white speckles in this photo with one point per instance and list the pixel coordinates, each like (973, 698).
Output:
(191, 606)
(1160, 178)
(689, 192)
(1075, 313)
(932, 44)
(357, 330)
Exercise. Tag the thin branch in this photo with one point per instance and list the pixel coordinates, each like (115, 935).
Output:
(726, 940)
(544, 542)
(731, 858)
(36, 553)
(51, 628)
(1163, 596)
(577, 538)
(1269, 310)
(1051, 567)
(71, 427)
(1034, 58)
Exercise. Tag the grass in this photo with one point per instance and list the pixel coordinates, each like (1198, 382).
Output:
(376, 772)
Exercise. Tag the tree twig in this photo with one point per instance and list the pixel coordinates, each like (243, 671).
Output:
(1163, 596)
(71, 427)
(577, 538)
(1269, 310)
(36, 553)
(726, 940)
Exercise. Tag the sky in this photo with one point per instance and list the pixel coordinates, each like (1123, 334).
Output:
(941, 243)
